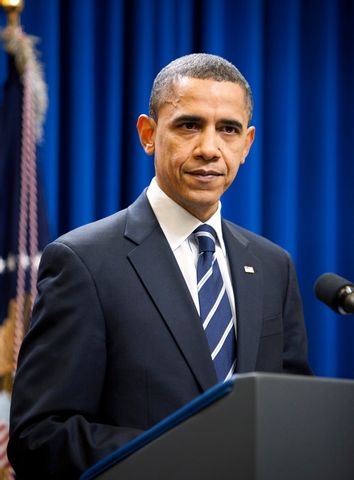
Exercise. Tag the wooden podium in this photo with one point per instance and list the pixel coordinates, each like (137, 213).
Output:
(256, 427)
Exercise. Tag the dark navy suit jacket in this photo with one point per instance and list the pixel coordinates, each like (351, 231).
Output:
(116, 344)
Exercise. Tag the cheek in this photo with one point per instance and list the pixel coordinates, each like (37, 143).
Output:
(169, 155)
(234, 158)
(166, 166)
(164, 147)
(233, 162)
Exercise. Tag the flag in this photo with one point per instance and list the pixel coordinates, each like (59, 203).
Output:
(23, 221)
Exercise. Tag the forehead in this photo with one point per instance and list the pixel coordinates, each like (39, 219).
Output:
(205, 97)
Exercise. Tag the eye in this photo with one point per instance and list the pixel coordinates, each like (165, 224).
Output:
(189, 126)
(229, 129)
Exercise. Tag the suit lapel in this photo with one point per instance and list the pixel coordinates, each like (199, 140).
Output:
(158, 270)
(248, 287)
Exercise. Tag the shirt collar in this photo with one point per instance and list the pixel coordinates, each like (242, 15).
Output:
(177, 224)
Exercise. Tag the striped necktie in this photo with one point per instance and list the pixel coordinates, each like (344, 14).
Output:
(215, 310)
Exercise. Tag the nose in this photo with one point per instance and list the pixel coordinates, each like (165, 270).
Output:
(207, 147)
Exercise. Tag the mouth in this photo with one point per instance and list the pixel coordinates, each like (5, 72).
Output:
(205, 176)
(205, 173)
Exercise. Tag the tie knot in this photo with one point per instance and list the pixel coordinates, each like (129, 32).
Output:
(205, 235)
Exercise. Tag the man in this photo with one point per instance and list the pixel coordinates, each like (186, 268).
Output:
(116, 341)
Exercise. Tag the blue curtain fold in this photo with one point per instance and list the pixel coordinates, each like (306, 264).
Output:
(296, 187)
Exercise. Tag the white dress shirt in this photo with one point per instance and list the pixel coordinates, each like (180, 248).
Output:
(178, 225)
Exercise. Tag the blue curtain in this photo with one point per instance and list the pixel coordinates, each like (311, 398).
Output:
(296, 188)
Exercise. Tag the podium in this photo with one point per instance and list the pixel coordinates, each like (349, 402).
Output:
(257, 426)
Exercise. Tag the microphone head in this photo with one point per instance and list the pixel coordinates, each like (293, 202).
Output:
(332, 289)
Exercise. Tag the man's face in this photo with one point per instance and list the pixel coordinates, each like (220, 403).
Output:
(199, 141)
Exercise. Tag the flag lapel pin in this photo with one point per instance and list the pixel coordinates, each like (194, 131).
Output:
(248, 269)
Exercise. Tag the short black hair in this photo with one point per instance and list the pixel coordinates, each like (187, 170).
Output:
(196, 65)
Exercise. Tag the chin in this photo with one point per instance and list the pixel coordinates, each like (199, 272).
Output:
(205, 199)
(199, 208)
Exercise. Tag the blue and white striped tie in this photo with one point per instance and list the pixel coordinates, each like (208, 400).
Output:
(215, 310)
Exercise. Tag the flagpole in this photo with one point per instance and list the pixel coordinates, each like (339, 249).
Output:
(12, 8)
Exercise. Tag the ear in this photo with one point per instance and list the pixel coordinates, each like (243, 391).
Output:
(251, 131)
(146, 129)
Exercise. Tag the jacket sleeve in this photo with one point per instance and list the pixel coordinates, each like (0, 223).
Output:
(57, 423)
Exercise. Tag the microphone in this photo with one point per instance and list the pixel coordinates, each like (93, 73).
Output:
(336, 292)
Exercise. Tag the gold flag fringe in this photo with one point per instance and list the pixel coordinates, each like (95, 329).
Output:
(35, 101)
(22, 47)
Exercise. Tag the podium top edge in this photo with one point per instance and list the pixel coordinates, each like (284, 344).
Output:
(281, 377)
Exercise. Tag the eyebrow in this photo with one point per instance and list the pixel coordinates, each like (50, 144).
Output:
(187, 119)
(196, 119)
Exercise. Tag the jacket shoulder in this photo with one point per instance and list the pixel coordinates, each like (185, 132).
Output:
(98, 233)
(255, 241)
